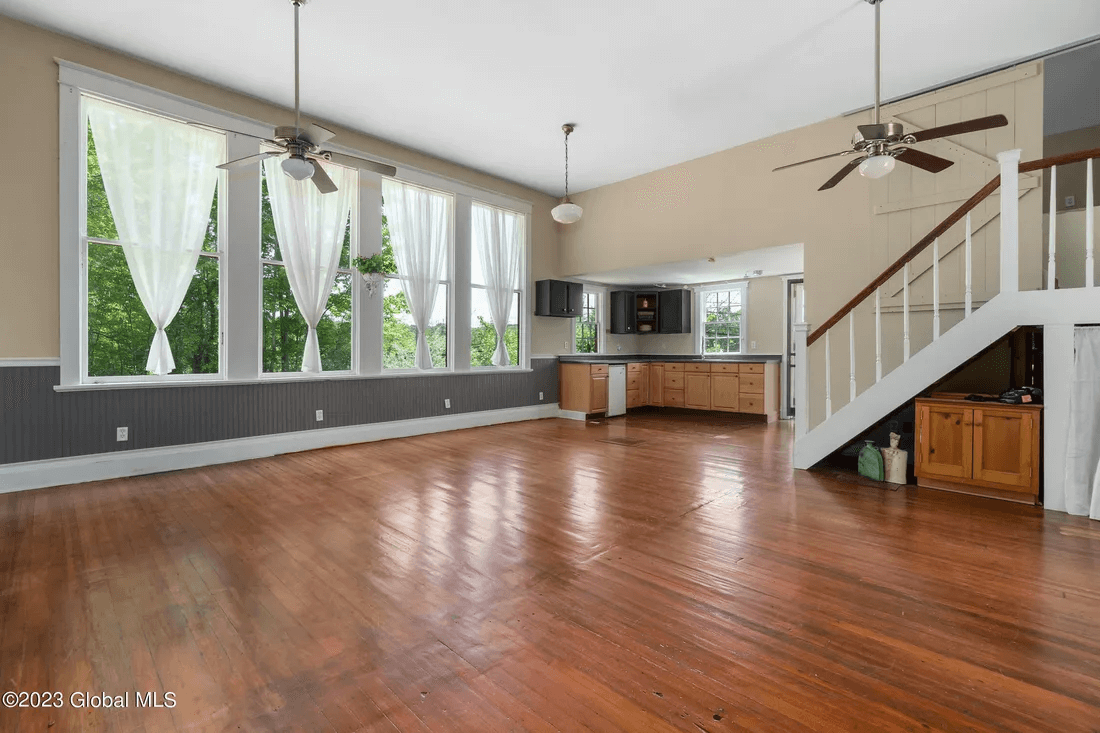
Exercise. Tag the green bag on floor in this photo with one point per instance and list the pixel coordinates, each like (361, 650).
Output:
(870, 462)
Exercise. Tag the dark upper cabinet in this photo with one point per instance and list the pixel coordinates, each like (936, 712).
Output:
(559, 298)
(624, 318)
(674, 311)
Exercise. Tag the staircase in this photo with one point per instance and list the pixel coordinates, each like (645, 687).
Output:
(979, 328)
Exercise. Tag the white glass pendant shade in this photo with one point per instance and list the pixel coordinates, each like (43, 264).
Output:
(566, 212)
(298, 168)
(877, 166)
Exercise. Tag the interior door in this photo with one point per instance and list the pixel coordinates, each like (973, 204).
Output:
(796, 313)
(945, 444)
(1003, 446)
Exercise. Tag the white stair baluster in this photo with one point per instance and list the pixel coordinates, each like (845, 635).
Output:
(1052, 229)
(1090, 228)
(1010, 220)
(878, 334)
(905, 310)
(852, 356)
(828, 380)
(936, 289)
(969, 270)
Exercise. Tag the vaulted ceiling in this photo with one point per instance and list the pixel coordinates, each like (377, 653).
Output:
(649, 83)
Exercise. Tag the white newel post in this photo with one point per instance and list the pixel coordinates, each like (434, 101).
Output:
(1010, 220)
(802, 380)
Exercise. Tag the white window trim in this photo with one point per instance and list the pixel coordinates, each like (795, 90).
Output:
(701, 310)
(241, 359)
(602, 318)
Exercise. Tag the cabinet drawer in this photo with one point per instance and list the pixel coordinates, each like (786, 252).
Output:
(634, 381)
(674, 380)
(633, 368)
(676, 366)
(752, 368)
(753, 403)
(697, 367)
(634, 398)
(599, 369)
(724, 368)
(674, 398)
(752, 383)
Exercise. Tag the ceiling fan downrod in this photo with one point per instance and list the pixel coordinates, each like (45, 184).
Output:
(878, 45)
(297, 108)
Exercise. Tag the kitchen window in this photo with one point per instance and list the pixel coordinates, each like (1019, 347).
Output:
(721, 321)
(586, 336)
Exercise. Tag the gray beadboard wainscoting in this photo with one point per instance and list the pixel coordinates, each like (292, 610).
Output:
(37, 422)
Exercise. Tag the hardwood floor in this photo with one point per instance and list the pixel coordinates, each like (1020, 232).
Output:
(533, 576)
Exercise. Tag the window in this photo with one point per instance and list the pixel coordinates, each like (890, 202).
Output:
(284, 327)
(586, 337)
(417, 233)
(171, 242)
(496, 273)
(722, 319)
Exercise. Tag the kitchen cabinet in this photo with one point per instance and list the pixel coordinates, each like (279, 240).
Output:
(637, 385)
(697, 390)
(723, 391)
(559, 298)
(982, 448)
(583, 387)
(656, 384)
(623, 315)
(674, 311)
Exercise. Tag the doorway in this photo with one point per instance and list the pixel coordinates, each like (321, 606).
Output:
(796, 313)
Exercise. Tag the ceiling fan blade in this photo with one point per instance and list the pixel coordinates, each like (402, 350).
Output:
(316, 135)
(814, 160)
(354, 162)
(248, 160)
(841, 174)
(924, 161)
(961, 128)
(321, 180)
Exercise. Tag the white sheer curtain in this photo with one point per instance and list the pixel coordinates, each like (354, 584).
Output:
(420, 232)
(310, 227)
(1083, 446)
(498, 238)
(160, 177)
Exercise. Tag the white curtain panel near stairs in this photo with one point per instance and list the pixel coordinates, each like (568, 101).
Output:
(1083, 445)
(159, 176)
(498, 237)
(310, 227)
(421, 231)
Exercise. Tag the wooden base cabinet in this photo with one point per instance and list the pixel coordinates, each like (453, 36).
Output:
(583, 387)
(982, 448)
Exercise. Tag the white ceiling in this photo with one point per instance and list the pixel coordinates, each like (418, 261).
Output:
(650, 83)
(782, 260)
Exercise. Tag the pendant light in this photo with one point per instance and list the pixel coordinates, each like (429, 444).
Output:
(566, 212)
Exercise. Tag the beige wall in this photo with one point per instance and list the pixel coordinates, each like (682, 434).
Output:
(1071, 178)
(29, 202)
(731, 201)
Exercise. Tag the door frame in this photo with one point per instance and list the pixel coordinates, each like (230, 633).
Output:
(786, 395)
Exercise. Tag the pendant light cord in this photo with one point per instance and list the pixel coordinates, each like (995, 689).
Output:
(878, 77)
(566, 166)
(297, 113)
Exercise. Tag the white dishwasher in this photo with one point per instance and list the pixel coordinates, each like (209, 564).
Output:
(616, 390)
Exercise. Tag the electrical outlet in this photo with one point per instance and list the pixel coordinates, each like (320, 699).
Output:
(540, 396)
(1071, 201)
(754, 346)
(447, 403)
(320, 415)
(122, 434)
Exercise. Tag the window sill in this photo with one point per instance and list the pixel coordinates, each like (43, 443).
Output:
(281, 379)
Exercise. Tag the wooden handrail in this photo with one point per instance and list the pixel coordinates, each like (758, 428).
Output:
(954, 218)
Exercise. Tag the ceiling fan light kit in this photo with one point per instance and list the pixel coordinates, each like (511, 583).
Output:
(302, 148)
(567, 212)
(880, 145)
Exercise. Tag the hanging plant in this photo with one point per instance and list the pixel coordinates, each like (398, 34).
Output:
(376, 264)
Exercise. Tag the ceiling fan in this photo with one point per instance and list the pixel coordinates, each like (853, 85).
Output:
(302, 148)
(881, 144)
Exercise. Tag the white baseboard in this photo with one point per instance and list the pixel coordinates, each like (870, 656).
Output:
(572, 415)
(100, 466)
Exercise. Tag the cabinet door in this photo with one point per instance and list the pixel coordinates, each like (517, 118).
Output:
(598, 400)
(623, 315)
(723, 391)
(697, 391)
(656, 384)
(644, 374)
(574, 299)
(1003, 441)
(674, 311)
(945, 441)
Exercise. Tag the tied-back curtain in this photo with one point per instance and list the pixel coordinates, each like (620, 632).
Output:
(160, 177)
(310, 228)
(1083, 446)
(420, 232)
(498, 237)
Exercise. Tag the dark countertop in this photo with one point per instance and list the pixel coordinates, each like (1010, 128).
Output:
(644, 358)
